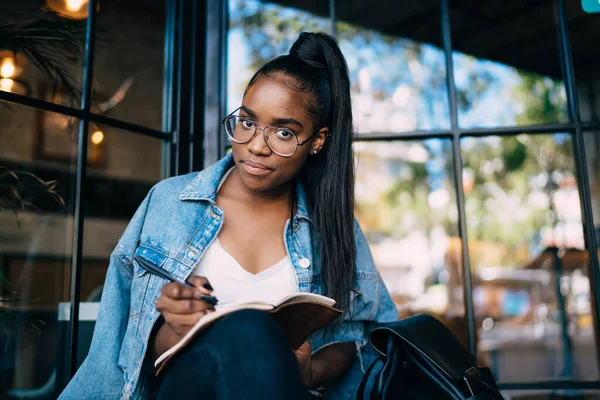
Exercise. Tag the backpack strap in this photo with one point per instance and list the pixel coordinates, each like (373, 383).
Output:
(363, 385)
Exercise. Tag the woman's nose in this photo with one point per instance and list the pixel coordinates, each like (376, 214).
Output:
(258, 144)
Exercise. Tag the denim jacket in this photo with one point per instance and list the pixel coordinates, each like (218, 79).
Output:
(172, 228)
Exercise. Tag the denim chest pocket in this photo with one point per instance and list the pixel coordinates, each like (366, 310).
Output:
(145, 288)
(364, 299)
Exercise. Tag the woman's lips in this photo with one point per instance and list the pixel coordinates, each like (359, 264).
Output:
(257, 169)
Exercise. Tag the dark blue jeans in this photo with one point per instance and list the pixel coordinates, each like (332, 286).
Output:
(244, 355)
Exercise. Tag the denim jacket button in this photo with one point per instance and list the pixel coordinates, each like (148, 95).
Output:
(305, 263)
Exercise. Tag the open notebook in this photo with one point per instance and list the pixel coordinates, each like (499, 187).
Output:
(299, 314)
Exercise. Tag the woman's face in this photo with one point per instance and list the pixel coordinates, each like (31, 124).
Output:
(269, 101)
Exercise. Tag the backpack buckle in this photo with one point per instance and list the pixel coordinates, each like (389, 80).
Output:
(473, 381)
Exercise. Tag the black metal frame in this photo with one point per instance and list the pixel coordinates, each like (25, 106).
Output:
(194, 101)
(575, 127)
(182, 117)
(215, 80)
(88, 76)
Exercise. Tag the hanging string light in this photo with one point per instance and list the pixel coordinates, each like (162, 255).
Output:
(72, 9)
(11, 67)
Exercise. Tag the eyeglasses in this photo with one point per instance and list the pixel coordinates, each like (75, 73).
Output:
(282, 141)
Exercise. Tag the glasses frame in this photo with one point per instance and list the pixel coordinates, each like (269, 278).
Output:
(265, 137)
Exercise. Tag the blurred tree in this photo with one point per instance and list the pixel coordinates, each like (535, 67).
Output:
(515, 176)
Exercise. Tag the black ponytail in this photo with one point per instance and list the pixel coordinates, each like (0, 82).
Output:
(317, 66)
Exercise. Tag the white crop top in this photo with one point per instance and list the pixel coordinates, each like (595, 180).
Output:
(232, 284)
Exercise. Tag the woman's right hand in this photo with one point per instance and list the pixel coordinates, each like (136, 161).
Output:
(181, 307)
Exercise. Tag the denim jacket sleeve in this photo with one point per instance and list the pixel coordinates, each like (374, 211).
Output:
(370, 303)
(111, 324)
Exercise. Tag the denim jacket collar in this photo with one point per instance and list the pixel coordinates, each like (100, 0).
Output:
(206, 183)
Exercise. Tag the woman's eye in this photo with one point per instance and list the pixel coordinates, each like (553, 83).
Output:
(284, 134)
(247, 124)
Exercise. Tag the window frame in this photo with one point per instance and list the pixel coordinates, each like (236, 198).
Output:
(575, 126)
(182, 113)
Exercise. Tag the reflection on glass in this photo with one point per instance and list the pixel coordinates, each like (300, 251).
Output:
(592, 156)
(398, 83)
(260, 31)
(583, 32)
(128, 64)
(35, 249)
(41, 53)
(509, 73)
(530, 271)
(122, 155)
(114, 190)
(405, 204)
(74, 9)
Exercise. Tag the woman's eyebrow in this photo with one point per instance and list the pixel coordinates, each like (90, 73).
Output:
(276, 121)
(248, 111)
(287, 121)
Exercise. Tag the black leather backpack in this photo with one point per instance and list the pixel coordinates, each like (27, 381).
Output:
(423, 360)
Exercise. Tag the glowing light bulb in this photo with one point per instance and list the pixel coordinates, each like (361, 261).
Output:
(8, 68)
(97, 137)
(6, 84)
(74, 5)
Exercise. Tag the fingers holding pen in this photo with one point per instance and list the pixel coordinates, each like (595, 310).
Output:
(177, 291)
(177, 298)
(181, 306)
(201, 283)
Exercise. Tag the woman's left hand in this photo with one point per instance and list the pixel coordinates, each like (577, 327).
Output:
(305, 364)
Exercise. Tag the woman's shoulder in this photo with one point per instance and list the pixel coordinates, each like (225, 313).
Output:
(174, 185)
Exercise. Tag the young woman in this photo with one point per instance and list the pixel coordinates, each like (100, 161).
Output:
(273, 218)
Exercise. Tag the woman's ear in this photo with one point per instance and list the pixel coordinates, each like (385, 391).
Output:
(319, 141)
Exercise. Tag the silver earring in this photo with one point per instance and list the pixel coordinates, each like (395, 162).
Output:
(315, 152)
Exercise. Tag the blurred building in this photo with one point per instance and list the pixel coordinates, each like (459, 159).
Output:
(477, 156)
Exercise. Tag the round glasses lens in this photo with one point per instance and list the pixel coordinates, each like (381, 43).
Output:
(282, 141)
(239, 129)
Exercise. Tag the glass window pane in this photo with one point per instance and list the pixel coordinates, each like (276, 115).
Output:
(406, 206)
(506, 65)
(260, 31)
(592, 154)
(585, 36)
(122, 155)
(526, 247)
(41, 52)
(36, 227)
(114, 190)
(128, 64)
(396, 63)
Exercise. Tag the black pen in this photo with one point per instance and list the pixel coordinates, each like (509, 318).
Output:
(153, 269)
